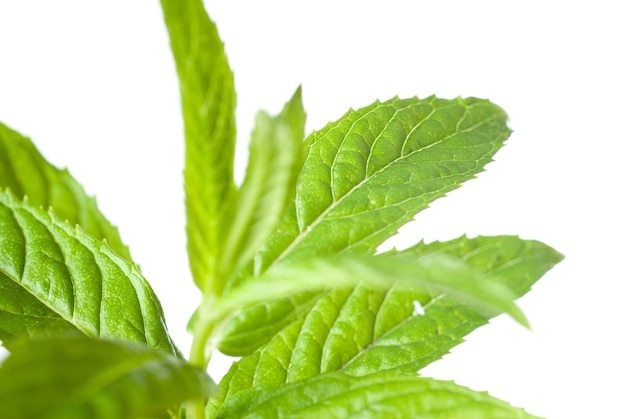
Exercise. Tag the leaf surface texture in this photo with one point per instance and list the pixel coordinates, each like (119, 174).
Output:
(362, 330)
(374, 169)
(381, 395)
(369, 173)
(208, 103)
(55, 277)
(25, 172)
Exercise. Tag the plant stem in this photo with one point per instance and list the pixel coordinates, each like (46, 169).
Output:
(195, 409)
(202, 331)
(200, 354)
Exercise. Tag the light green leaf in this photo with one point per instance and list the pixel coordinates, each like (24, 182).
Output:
(362, 330)
(254, 326)
(55, 277)
(208, 103)
(370, 172)
(382, 395)
(409, 343)
(434, 271)
(25, 172)
(275, 161)
(76, 378)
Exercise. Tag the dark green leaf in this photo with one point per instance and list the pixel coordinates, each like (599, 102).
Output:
(76, 378)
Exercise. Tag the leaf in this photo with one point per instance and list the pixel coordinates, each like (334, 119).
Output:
(25, 172)
(55, 277)
(251, 327)
(438, 271)
(374, 169)
(362, 331)
(411, 343)
(276, 158)
(381, 395)
(521, 264)
(75, 378)
(208, 103)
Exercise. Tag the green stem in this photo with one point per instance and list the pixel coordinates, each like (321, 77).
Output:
(200, 353)
(202, 332)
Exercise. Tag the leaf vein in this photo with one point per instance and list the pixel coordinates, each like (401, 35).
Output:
(303, 233)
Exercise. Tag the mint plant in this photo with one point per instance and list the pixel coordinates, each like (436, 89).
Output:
(286, 263)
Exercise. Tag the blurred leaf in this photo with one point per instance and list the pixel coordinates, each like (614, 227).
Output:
(80, 378)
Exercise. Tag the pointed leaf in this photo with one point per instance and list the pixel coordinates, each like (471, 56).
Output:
(25, 172)
(409, 343)
(362, 331)
(208, 102)
(275, 161)
(54, 277)
(75, 378)
(434, 271)
(370, 172)
(381, 395)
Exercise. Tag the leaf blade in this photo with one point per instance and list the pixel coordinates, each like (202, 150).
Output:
(67, 280)
(381, 395)
(380, 272)
(25, 172)
(361, 331)
(374, 169)
(275, 160)
(208, 103)
(518, 263)
(76, 377)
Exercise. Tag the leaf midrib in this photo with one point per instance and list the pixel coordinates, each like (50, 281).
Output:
(79, 236)
(71, 318)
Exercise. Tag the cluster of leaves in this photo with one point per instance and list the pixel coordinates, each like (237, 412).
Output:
(286, 264)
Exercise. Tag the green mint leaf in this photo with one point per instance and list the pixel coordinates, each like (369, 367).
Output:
(253, 326)
(25, 172)
(276, 157)
(409, 343)
(55, 277)
(436, 270)
(362, 330)
(208, 103)
(76, 378)
(382, 395)
(374, 169)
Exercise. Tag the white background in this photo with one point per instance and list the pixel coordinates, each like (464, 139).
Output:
(92, 82)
